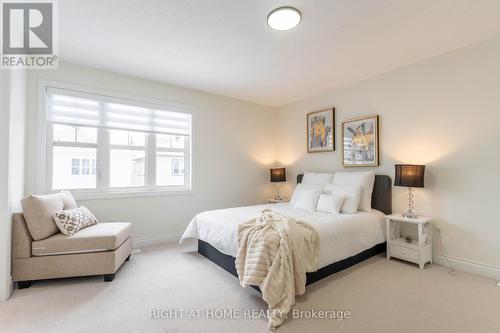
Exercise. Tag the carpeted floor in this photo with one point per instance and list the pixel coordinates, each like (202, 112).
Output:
(381, 296)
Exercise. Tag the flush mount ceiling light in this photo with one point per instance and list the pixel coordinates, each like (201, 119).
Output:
(284, 18)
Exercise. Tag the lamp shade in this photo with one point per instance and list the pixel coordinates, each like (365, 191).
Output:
(278, 175)
(409, 175)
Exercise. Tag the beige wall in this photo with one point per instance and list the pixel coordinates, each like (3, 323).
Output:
(233, 148)
(444, 113)
(12, 133)
(4, 185)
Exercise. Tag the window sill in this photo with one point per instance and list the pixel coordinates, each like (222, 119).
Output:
(131, 194)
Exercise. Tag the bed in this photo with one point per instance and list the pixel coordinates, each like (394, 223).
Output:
(345, 239)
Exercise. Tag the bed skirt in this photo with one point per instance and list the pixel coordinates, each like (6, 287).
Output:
(227, 262)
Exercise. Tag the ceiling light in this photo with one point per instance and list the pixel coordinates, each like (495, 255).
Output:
(284, 18)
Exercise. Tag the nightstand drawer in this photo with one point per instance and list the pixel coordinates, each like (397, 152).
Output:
(403, 253)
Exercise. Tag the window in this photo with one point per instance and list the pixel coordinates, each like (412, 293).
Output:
(85, 167)
(75, 166)
(72, 148)
(177, 167)
(127, 159)
(170, 157)
(104, 144)
(94, 168)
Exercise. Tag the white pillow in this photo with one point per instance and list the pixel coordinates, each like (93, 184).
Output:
(301, 187)
(330, 203)
(315, 178)
(363, 179)
(308, 199)
(352, 196)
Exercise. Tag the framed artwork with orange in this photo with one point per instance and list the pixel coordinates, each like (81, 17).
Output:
(321, 131)
(360, 142)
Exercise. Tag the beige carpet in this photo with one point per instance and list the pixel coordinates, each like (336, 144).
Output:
(382, 296)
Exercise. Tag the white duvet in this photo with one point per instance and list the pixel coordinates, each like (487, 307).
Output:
(341, 236)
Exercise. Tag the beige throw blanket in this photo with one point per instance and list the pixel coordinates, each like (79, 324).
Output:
(274, 253)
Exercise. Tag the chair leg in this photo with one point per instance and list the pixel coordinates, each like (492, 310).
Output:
(128, 258)
(109, 277)
(23, 284)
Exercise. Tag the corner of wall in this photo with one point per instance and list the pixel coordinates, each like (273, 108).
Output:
(13, 128)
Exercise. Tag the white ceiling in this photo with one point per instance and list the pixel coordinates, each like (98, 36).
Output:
(225, 46)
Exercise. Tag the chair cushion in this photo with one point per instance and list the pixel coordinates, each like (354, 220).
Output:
(96, 238)
(38, 210)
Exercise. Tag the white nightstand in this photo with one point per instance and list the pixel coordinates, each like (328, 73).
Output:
(418, 251)
(271, 201)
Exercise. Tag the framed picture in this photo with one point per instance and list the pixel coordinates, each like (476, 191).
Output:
(321, 131)
(360, 142)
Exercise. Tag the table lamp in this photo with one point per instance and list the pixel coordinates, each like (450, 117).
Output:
(278, 175)
(409, 175)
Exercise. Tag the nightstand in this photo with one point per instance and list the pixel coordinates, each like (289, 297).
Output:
(272, 201)
(418, 251)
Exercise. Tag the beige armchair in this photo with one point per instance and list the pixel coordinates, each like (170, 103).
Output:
(97, 250)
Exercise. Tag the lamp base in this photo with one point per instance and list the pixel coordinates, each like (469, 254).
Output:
(409, 213)
(278, 196)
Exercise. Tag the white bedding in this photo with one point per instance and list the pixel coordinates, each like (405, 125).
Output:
(341, 236)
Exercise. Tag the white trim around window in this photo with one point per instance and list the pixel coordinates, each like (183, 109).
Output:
(45, 144)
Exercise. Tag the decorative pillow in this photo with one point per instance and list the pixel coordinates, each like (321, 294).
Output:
(73, 220)
(352, 196)
(331, 204)
(363, 179)
(308, 199)
(316, 178)
(38, 211)
(301, 187)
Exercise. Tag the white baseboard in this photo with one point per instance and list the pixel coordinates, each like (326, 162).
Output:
(142, 242)
(10, 289)
(468, 266)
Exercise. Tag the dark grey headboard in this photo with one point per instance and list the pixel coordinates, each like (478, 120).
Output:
(381, 196)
